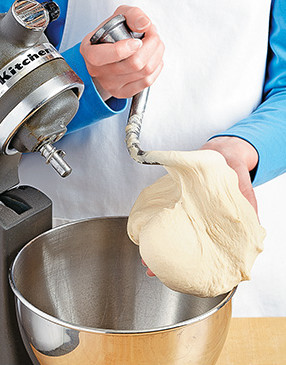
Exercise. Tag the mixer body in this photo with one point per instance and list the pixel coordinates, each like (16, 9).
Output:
(39, 92)
(25, 212)
(39, 95)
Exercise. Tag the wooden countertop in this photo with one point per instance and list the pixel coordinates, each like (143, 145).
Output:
(250, 341)
(255, 341)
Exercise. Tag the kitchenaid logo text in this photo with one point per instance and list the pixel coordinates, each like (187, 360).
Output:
(24, 63)
(10, 71)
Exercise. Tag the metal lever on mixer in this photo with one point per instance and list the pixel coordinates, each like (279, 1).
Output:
(113, 31)
(55, 158)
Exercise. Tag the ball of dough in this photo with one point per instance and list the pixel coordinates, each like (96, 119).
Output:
(195, 230)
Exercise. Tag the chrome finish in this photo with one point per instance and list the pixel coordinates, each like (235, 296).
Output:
(30, 14)
(55, 158)
(82, 297)
(28, 106)
(26, 62)
(133, 129)
(113, 31)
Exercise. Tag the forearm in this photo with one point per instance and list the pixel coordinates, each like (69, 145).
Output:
(265, 130)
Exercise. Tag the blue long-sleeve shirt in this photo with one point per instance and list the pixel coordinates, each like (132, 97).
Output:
(265, 128)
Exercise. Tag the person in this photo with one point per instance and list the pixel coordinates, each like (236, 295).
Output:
(222, 87)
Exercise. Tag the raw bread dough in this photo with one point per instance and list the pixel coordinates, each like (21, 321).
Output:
(194, 228)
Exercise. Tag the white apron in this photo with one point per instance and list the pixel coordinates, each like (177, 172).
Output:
(213, 75)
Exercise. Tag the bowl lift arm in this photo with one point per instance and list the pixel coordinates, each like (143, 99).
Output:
(39, 95)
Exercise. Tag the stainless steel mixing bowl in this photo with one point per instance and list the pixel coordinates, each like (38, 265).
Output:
(82, 297)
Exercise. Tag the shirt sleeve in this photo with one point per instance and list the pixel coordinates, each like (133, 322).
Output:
(265, 128)
(92, 107)
(5, 5)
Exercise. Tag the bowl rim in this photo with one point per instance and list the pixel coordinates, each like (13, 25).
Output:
(62, 323)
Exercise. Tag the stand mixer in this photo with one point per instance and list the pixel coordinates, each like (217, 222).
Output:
(39, 95)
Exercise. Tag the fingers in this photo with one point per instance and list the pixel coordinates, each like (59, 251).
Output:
(108, 53)
(125, 56)
(148, 272)
(125, 86)
(242, 157)
(245, 186)
(136, 19)
(148, 56)
(133, 88)
(128, 77)
(125, 68)
(120, 87)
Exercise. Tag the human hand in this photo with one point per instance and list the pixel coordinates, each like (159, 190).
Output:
(148, 271)
(124, 68)
(242, 157)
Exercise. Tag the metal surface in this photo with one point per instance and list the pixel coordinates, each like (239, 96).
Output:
(24, 213)
(133, 129)
(34, 101)
(23, 25)
(30, 14)
(83, 297)
(24, 63)
(9, 171)
(55, 158)
(113, 31)
(39, 92)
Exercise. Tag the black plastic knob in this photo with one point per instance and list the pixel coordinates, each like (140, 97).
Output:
(53, 9)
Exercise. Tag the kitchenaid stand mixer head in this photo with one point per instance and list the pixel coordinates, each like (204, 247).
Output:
(39, 92)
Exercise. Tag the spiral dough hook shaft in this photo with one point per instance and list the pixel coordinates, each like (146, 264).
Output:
(113, 31)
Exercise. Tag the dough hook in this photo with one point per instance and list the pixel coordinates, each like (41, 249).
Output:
(113, 31)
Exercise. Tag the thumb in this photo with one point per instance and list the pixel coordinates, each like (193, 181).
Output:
(246, 188)
(136, 19)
